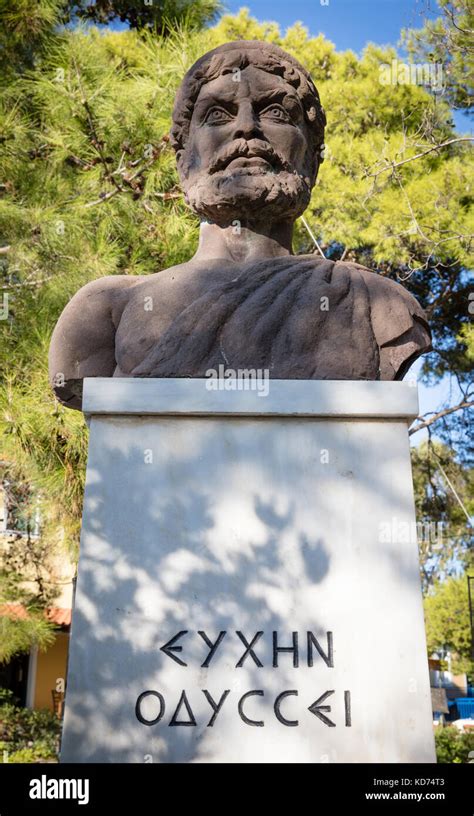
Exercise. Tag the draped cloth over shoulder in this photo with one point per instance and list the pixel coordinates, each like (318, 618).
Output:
(301, 317)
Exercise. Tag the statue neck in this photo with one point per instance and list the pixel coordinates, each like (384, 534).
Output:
(244, 243)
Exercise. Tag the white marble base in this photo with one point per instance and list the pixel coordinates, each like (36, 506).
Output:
(209, 512)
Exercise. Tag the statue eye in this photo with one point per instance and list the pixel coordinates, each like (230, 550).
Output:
(276, 112)
(217, 116)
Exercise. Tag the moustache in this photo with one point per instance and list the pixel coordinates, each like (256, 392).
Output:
(255, 148)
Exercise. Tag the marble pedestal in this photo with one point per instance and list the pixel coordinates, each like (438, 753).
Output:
(248, 585)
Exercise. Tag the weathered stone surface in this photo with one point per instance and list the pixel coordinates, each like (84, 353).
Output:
(248, 130)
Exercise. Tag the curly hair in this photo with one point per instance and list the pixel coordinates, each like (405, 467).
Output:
(239, 54)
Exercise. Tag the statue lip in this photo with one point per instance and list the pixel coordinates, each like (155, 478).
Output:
(250, 160)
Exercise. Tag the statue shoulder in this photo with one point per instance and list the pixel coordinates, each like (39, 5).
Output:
(83, 341)
(103, 293)
(399, 323)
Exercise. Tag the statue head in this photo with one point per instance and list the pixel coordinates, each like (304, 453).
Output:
(248, 131)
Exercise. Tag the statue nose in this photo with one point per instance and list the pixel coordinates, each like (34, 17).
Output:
(246, 123)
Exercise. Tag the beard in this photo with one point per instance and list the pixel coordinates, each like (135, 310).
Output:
(248, 194)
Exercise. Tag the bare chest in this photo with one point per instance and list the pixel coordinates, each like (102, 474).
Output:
(152, 306)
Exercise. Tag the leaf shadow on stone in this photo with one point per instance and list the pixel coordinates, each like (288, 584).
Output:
(177, 544)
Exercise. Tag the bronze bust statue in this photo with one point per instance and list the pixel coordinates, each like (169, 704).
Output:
(248, 131)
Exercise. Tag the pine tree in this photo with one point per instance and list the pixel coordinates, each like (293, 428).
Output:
(161, 16)
(444, 500)
(89, 188)
(447, 622)
(447, 40)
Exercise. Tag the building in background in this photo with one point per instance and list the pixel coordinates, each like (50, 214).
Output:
(38, 679)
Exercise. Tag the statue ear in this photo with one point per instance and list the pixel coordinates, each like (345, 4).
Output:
(182, 164)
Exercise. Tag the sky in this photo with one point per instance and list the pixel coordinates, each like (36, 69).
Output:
(352, 24)
(349, 23)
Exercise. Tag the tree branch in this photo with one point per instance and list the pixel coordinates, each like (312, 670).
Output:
(95, 141)
(426, 422)
(450, 13)
(128, 180)
(393, 165)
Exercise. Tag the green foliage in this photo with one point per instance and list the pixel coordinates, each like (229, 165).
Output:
(37, 753)
(24, 560)
(161, 16)
(89, 188)
(448, 623)
(28, 30)
(448, 41)
(466, 336)
(387, 197)
(28, 735)
(17, 636)
(25, 29)
(445, 536)
(453, 745)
